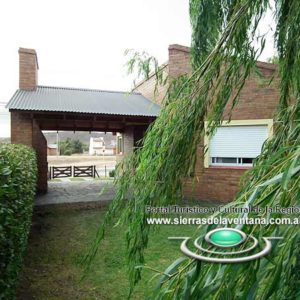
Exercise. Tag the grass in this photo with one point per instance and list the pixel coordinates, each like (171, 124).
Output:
(104, 178)
(60, 237)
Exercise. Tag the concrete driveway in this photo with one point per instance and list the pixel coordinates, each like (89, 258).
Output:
(67, 192)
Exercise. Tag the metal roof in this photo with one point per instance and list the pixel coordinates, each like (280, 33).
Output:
(61, 99)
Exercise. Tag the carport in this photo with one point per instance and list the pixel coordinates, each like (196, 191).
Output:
(35, 108)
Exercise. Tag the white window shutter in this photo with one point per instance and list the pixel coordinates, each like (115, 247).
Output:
(238, 141)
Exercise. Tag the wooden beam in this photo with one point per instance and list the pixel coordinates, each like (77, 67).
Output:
(86, 122)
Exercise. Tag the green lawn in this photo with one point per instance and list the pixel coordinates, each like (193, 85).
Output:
(59, 237)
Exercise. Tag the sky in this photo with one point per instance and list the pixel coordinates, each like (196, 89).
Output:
(82, 43)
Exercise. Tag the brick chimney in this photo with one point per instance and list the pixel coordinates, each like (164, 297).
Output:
(28, 69)
(179, 60)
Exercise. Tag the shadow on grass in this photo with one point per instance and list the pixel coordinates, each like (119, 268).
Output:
(61, 236)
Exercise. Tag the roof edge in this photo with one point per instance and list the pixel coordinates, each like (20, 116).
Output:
(260, 64)
(266, 65)
(179, 48)
(30, 110)
(162, 66)
(84, 89)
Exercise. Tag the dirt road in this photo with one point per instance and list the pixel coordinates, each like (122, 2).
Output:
(82, 160)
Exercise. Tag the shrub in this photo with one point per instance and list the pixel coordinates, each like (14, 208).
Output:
(18, 175)
(70, 146)
(67, 152)
(112, 173)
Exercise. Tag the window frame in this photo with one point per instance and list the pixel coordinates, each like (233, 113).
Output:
(208, 159)
(239, 162)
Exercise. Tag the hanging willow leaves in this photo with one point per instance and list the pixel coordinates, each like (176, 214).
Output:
(223, 57)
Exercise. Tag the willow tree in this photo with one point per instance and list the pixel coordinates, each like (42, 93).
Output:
(224, 52)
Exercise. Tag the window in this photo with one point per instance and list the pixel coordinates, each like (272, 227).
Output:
(231, 161)
(237, 143)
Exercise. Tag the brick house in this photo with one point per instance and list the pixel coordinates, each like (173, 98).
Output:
(230, 152)
(98, 146)
(233, 147)
(52, 149)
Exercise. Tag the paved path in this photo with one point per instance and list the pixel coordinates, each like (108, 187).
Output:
(77, 192)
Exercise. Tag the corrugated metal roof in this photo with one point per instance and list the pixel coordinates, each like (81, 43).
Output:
(60, 99)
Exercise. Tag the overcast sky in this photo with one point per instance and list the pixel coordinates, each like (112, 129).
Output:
(82, 43)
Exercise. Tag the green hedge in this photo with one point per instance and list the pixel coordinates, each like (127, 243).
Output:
(18, 175)
(112, 173)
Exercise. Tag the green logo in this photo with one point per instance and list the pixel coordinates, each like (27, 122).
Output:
(226, 238)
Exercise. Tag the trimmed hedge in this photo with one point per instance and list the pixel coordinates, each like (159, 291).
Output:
(18, 175)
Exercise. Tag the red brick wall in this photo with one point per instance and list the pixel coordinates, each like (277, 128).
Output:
(21, 129)
(26, 131)
(215, 184)
(257, 101)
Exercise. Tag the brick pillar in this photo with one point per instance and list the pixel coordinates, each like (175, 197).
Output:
(25, 130)
(40, 146)
(21, 129)
(127, 141)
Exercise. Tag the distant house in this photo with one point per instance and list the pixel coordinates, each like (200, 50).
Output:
(99, 147)
(111, 148)
(52, 149)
